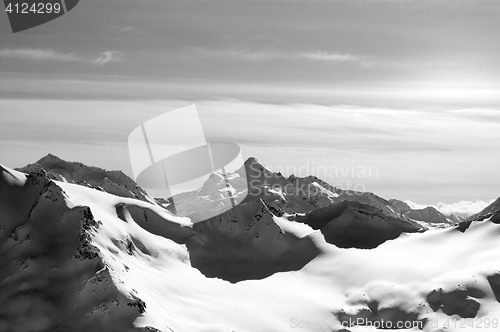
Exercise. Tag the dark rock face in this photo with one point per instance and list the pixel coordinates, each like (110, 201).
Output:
(459, 302)
(245, 243)
(494, 281)
(496, 218)
(85, 249)
(52, 277)
(154, 223)
(463, 226)
(355, 225)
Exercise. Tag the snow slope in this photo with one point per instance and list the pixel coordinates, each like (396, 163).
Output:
(77, 259)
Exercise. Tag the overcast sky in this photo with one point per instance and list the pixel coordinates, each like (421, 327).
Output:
(411, 87)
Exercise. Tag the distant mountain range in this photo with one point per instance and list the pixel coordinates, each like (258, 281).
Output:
(369, 220)
(85, 249)
(280, 194)
(290, 195)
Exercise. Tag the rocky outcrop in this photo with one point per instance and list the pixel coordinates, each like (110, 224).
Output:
(494, 281)
(459, 302)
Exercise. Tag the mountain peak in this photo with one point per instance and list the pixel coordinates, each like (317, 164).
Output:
(253, 166)
(253, 161)
(49, 157)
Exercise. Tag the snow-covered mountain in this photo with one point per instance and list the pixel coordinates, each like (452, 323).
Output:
(429, 214)
(73, 258)
(491, 210)
(114, 182)
(280, 194)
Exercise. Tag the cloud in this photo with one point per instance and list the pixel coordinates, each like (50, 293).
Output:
(38, 54)
(238, 54)
(463, 208)
(108, 57)
(328, 56)
(402, 145)
(408, 63)
(246, 55)
(51, 55)
(125, 29)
